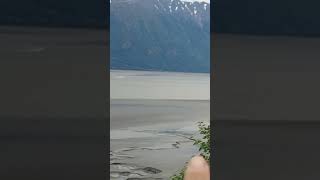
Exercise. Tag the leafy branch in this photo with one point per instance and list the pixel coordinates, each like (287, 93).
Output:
(204, 147)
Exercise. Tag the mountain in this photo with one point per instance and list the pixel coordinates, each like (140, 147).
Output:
(162, 35)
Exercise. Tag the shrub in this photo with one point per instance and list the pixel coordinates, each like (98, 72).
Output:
(204, 147)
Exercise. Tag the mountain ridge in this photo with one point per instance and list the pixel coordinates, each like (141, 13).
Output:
(162, 35)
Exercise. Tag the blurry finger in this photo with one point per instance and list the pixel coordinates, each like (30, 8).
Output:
(197, 169)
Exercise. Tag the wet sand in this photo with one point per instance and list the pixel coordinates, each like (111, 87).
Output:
(153, 133)
(152, 116)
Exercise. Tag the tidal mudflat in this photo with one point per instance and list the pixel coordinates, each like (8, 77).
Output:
(149, 136)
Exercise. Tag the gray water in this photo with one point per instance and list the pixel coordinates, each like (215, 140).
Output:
(152, 116)
(159, 85)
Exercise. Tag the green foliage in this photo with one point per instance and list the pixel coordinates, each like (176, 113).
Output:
(204, 147)
(178, 176)
(204, 142)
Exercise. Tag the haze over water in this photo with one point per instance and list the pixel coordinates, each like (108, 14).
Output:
(159, 85)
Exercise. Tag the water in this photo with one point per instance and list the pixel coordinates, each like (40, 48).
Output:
(159, 85)
(152, 116)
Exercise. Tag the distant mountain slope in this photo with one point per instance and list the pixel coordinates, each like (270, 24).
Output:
(163, 35)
